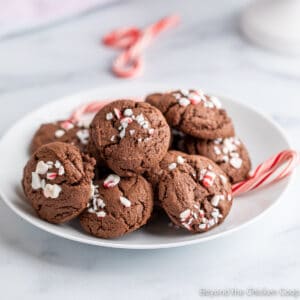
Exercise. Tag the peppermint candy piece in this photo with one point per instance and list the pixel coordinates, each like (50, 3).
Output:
(118, 113)
(128, 112)
(216, 199)
(35, 181)
(67, 125)
(126, 202)
(41, 167)
(194, 98)
(180, 160)
(51, 190)
(59, 133)
(101, 214)
(217, 103)
(185, 214)
(172, 166)
(83, 136)
(236, 162)
(111, 181)
(109, 116)
(184, 101)
(208, 179)
(51, 175)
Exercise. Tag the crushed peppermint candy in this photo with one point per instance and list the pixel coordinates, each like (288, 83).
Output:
(128, 112)
(189, 218)
(51, 190)
(217, 150)
(185, 214)
(208, 178)
(224, 179)
(59, 133)
(127, 117)
(126, 202)
(51, 175)
(66, 125)
(111, 180)
(118, 113)
(96, 204)
(216, 199)
(211, 222)
(83, 136)
(180, 160)
(101, 214)
(236, 162)
(84, 123)
(35, 181)
(122, 133)
(216, 101)
(151, 131)
(227, 149)
(109, 116)
(42, 168)
(184, 102)
(172, 166)
(187, 97)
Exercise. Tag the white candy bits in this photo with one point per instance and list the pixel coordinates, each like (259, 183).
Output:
(127, 117)
(96, 204)
(126, 202)
(111, 181)
(227, 149)
(42, 168)
(187, 97)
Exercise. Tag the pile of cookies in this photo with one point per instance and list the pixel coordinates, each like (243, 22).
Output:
(176, 152)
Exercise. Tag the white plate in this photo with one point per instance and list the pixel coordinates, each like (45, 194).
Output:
(262, 136)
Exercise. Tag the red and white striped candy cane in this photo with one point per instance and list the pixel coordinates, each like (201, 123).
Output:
(270, 171)
(133, 40)
(92, 107)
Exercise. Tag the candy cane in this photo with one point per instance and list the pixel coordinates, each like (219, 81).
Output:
(271, 171)
(133, 40)
(92, 107)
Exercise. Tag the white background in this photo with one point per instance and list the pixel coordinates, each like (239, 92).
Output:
(206, 51)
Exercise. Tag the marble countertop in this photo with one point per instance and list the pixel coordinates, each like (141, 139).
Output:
(207, 51)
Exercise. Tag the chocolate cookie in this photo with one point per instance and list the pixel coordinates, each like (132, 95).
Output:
(130, 136)
(194, 113)
(61, 131)
(230, 154)
(118, 206)
(194, 191)
(57, 181)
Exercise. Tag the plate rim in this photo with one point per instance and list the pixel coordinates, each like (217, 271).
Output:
(115, 244)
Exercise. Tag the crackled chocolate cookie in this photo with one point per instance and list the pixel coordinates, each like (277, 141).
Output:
(57, 181)
(130, 136)
(118, 206)
(61, 131)
(230, 154)
(194, 113)
(194, 191)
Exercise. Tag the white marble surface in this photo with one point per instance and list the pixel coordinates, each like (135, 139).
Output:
(208, 51)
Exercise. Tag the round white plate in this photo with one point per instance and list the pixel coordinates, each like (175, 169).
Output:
(262, 136)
